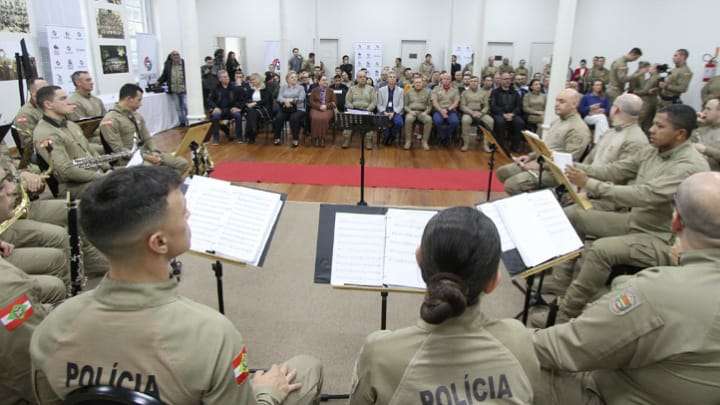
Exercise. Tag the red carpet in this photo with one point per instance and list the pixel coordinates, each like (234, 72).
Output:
(331, 175)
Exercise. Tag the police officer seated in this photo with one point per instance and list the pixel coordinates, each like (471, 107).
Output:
(134, 330)
(455, 354)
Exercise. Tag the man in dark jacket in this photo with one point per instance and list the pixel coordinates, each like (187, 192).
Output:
(506, 109)
(174, 75)
(209, 79)
(224, 105)
(340, 90)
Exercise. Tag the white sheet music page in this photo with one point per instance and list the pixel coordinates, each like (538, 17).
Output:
(206, 201)
(403, 235)
(358, 249)
(526, 229)
(553, 219)
(563, 160)
(491, 211)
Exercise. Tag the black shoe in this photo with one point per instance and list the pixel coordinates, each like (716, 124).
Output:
(276, 142)
(295, 144)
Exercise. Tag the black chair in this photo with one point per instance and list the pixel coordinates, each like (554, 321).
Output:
(108, 395)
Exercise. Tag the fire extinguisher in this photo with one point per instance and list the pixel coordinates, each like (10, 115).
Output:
(711, 63)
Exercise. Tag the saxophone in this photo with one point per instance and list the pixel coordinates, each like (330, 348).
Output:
(18, 212)
(203, 164)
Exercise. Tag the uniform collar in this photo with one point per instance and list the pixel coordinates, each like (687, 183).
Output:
(61, 123)
(89, 95)
(620, 128)
(700, 256)
(472, 316)
(134, 296)
(121, 109)
(672, 152)
(569, 116)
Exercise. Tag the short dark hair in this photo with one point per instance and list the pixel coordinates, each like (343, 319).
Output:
(583, 61)
(295, 49)
(46, 93)
(636, 51)
(684, 52)
(681, 116)
(207, 58)
(345, 56)
(121, 205)
(32, 82)
(427, 54)
(398, 59)
(459, 256)
(129, 90)
(337, 77)
(76, 75)
(311, 55)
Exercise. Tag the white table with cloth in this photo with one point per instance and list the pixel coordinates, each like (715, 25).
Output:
(158, 109)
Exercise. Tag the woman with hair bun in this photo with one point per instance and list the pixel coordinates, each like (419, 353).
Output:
(455, 354)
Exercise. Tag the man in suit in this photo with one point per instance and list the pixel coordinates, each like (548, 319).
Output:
(391, 103)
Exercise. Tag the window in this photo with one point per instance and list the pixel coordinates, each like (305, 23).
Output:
(137, 21)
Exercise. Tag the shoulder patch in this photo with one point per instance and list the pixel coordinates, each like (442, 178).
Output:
(17, 312)
(624, 301)
(21, 119)
(108, 121)
(240, 368)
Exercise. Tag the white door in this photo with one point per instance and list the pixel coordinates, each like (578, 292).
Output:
(500, 50)
(328, 55)
(540, 55)
(412, 53)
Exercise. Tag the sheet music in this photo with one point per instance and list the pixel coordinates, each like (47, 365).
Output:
(526, 229)
(491, 211)
(403, 235)
(136, 159)
(358, 249)
(360, 112)
(555, 222)
(562, 160)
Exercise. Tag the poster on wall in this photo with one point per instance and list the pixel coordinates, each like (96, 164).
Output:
(14, 16)
(463, 53)
(114, 59)
(110, 24)
(67, 47)
(369, 55)
(272, 55)
(148, 57)
(8, 69)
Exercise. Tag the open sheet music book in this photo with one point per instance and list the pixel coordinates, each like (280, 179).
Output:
(230, 221)
(535, 225)
(378, 250)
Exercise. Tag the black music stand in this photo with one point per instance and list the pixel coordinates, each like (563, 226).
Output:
(362, 123)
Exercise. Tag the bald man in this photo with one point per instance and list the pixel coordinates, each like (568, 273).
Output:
(27, 119)
(639, 237)
(567, 134)
(706, 139)
(654, 338)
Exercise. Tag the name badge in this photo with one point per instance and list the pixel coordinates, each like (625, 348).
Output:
(337, 91)
(390, 104)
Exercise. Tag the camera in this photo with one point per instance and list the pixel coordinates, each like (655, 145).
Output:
(662, 68)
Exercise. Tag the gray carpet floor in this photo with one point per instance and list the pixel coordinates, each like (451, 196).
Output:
(281, 312)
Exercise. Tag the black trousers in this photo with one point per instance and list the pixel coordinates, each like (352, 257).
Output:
(253, 117)
(297, 119)
(509, 132)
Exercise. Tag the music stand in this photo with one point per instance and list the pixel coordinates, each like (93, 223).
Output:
(495, 147)
(560, 177)
(4, 129)
(363, 123)
(89, 125)
(195, 133)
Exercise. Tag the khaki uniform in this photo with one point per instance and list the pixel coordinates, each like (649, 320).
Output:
(522, 70)
(710, 137)
(426, 69)
(651, 340)
(469, 358)
(503, 68)
(120, 128)
(618, 143)
(86, 107)
(25, 121)
(474, 101)
(601, 74)
(19, 322)
(417, 108)
(646, 88)
(710, 90)
(676, 84)
(308, 66)
(489, 71)
(569, 135)
(618, 78)
(360, 98)
(163, 344)
(445, 99)
(469, 67)
(640, 237)
(68, 143)
(534, 107)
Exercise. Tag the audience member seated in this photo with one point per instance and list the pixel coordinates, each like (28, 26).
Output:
(652, 339)
(475, 105)
(520, 83)
(360, 97)
(453, 344)
(417, 108)
(224, 105)
(346, 80)
(580, 75)
(340, 90)
(568, 133)
(458, 81)
(291, 98)
(534, 106)
(445, 100)
(391, 101)
(434, 80)
(163, 344)
(594, 108)
(706, 138)
(382, 81)
(407, 79)
(257, 102)
(346, 66)
(86, 105)
(639, 237)
(322, 111)
(506, 108)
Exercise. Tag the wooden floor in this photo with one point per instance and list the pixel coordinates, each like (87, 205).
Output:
(391, 156)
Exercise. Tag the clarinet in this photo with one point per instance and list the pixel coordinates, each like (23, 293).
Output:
(90, 162)
(77, 274)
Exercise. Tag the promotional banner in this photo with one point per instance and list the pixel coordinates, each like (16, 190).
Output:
(463, 53)
(149, 62)
(369, 55)
(68, 51)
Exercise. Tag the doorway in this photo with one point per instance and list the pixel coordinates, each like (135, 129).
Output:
(237, 45)
(328, 55)
(412, 53)
(540, 55)
(500, 50)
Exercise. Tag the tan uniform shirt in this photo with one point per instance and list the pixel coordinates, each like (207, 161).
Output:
(655, 177)
(148, 338)
(652, 340)
(710, 90)
(469, 67)
(618, 143)
(474, 101)
(361, 98)
(25, 121)
(598, 74)
(470, 358)
(418, 101)
(710, 137)
(489, 71)
(534, 107)
(445, 98)
(677, 82)
(426, 69)
(619, 74)
(20, 313)
(520, 70)
(569, 135)
(86, 106)
(503, 68)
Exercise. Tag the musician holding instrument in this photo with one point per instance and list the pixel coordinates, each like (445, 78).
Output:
(27, 119)
(123, 128)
